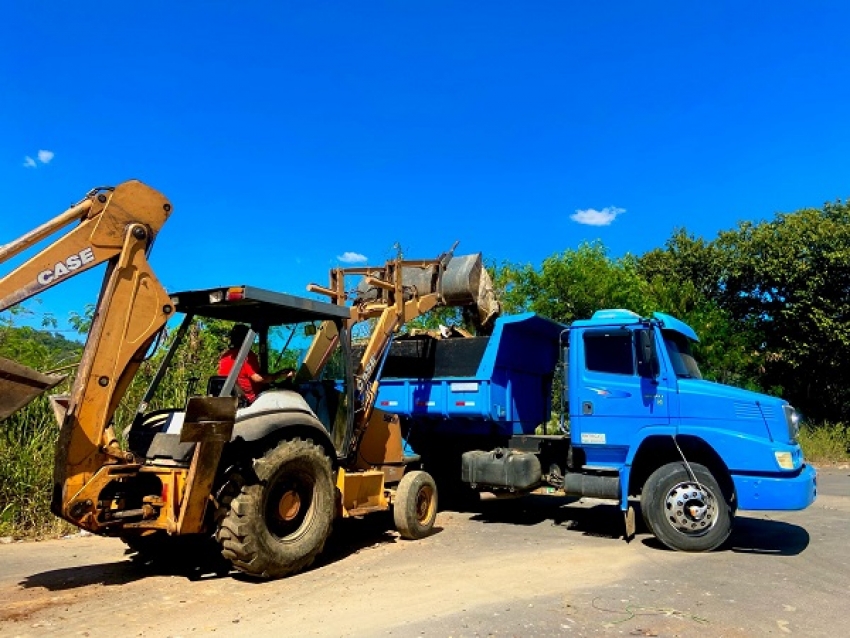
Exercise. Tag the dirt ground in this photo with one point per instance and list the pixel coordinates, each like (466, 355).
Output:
(532, 567)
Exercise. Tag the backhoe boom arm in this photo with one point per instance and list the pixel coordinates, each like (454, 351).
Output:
(117, 227)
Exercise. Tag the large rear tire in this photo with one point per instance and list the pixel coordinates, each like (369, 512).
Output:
(415, 505)
(686, 515)
(277, 524)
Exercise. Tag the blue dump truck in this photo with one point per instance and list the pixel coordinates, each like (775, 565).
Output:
(636, 421)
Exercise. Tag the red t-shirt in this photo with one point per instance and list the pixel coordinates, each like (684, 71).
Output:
(244, 381)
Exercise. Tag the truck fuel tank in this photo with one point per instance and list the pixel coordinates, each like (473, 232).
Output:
(501, 468)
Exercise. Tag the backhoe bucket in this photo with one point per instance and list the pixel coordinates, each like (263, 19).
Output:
(19, 385)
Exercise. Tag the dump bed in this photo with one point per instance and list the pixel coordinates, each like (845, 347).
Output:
(500, 384)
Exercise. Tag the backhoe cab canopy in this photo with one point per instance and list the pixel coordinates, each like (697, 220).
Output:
(260, 309)
(157, 434)
(255, 306)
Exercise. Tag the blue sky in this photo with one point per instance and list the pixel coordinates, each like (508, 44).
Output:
(290, 136)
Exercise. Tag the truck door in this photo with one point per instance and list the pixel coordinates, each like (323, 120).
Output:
(611, 400)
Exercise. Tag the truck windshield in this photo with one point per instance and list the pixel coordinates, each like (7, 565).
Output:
(679, 349)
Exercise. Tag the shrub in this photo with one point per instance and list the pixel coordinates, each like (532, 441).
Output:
(825, 442)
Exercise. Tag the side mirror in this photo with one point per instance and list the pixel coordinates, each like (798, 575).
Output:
(647, 357)
(310, 330)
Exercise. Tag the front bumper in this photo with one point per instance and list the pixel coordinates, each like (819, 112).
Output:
(794, 492)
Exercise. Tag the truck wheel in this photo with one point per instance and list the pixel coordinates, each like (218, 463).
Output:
(278, 524)
(685, 515)
(415, 505)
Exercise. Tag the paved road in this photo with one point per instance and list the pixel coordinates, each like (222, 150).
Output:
(539, 567)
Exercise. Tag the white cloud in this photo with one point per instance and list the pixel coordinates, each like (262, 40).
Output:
(351, 258)
(593, 217)
(43, 156)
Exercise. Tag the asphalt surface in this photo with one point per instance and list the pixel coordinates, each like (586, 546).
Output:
(531, 567)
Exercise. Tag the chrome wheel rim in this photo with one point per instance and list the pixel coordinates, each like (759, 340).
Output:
(691, 509)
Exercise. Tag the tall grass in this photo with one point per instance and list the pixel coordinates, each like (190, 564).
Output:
(825, 443)
(27, 448)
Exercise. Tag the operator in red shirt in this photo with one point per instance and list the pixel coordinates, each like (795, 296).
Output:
(251, 379)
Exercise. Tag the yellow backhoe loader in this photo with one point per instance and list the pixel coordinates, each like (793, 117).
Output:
(264, 480)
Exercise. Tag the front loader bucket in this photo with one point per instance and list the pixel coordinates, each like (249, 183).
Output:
(19, 385)
(464, 282)
(467, 283)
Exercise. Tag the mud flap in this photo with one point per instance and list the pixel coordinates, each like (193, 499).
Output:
(629, 516)
(19, 385)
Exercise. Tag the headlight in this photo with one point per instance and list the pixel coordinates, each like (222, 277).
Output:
(785, 460)
(792, 420)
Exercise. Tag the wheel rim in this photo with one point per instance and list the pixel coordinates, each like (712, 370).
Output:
(691, 509)
(289, 504)
(424, 503)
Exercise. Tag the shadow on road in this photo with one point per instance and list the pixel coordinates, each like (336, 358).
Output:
(749, 535)
(602, 520)
(352, 535)
(349, 536)
(765, 536)
(118, 573)
(757, 536)
(187, 558)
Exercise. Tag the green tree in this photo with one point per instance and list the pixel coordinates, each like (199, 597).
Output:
(790, 279)
(573, 284)
(685, 259)
(685, 280)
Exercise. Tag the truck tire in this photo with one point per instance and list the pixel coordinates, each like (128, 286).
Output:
(277, 524)
(685, 515)
(415, 505)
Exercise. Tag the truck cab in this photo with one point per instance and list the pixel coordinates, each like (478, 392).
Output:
(637, 401)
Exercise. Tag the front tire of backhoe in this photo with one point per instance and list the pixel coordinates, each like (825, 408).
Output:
(277, 524)
(415, 506)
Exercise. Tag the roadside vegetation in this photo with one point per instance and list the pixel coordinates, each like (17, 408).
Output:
(28, 437)
(770, 301)
(826, 443)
